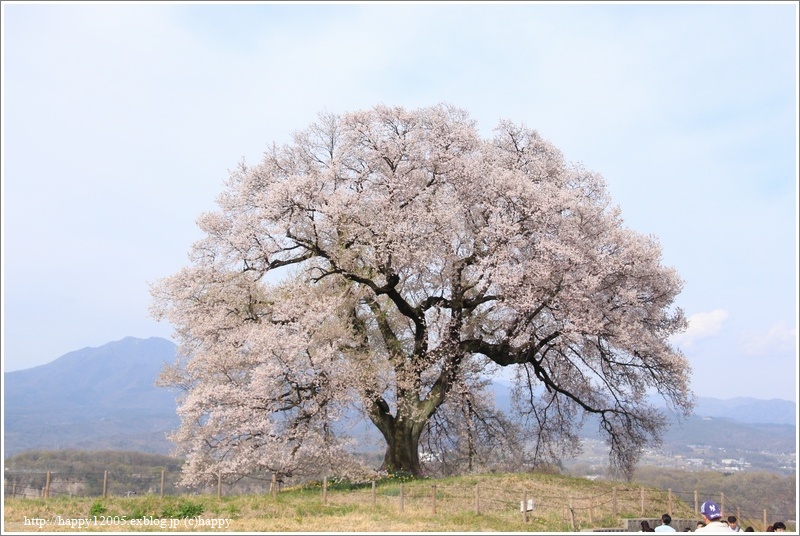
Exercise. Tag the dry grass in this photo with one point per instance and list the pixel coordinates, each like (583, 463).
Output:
(480, 503)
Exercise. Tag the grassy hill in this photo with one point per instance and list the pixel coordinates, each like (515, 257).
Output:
(474, 503)
(487, 502)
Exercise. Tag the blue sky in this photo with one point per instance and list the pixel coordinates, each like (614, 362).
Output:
(121, 121)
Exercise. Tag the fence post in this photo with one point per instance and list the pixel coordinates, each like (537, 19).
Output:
(433, 498)
(325, 490)
(161, 494)
(273, 484)
(641, 492)
(722, 504)
(524, 505)
(477, 500)
(373, 493)
(614, 501)
(219, 484)
(591, 514)
(105, 484)
(571, 514)
(669, 508)
(402, 498)
(696, 507)
(47, 486)
(765, 519)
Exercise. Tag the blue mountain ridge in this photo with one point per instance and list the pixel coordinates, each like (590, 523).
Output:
(106, 398)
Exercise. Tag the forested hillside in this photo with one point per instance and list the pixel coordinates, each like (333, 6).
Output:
(85, 461)
(749, 492)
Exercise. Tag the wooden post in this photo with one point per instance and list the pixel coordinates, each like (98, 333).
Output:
(524, 505)
(402, 498)
(765, 520)
(477, 500)
(161, 494)
(105, 483)
(641, 492)
(614, 502)
(591, 514)
(722, 504)
(273, 485)
(219, 484)
(47, 486)
(325, 490)
(433, 498)
(571, 514)
(696, 504)
(669, 507)
(373, 493)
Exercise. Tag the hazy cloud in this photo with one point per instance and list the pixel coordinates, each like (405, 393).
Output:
(701, 326)
(778, 339)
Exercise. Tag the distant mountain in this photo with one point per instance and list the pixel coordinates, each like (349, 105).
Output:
(748, 410)
(105, 398)
(731, 435)
(741, 409)
(94, 398)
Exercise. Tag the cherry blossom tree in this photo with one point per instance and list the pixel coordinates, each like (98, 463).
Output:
(391, 260)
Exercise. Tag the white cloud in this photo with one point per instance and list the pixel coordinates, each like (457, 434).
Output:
(779, 338)
(701, 326)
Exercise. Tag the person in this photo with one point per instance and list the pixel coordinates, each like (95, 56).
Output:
(779, 526)
(770, 529)
(749, 529)
(700, 524)
(733, 523)
(646, 527)
(712, 516)
(666, 519)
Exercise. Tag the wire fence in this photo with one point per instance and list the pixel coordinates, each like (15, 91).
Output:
(618, 506)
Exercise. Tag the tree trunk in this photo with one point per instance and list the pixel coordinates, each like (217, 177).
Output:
(402, 448)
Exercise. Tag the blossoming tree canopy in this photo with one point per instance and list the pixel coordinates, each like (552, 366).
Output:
(388, 259)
